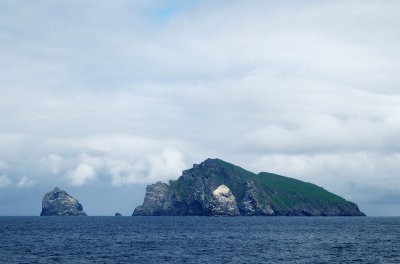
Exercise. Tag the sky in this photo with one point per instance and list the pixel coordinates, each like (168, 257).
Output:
(101, 98)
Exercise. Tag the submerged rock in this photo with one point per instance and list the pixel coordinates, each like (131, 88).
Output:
(223, 202)
(60, 203)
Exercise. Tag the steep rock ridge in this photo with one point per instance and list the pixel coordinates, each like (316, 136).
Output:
(154, 200)
(251, 204)
(59, 203)
(254, 194)
(223, 202)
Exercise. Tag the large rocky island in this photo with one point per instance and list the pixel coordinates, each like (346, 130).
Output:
(218, 188)
(60, 203)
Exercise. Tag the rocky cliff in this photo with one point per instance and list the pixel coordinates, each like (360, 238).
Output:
(216, 187)
(223, 202)
(59, 203)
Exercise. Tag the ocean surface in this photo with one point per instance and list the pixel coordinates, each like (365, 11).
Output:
(199, 239)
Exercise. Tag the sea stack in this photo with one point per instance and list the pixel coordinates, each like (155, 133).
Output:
(118, 214)
(60, 203)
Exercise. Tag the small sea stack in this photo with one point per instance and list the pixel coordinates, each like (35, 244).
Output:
(118, 214)
(60, 203)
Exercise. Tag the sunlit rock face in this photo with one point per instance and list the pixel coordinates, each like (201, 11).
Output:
(60, 203)
(223, 202)
(154, 200)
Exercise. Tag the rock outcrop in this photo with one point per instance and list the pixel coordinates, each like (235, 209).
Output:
(216, 187)
(118, 214)
(223, 202)
(154, 201)
(59, 203)
(251, 203)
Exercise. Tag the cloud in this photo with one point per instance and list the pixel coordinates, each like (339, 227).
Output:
(324, 132)
(4, 181)
(125, 94)
(82, 174)
(123, 172)
(3, 165)
(165, 166)
(168, 165)
(55, 163)
(346, 173)
(122, 159)
(25, 182)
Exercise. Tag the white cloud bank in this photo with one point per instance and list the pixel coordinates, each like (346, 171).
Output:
(124, 95)
(82, 174)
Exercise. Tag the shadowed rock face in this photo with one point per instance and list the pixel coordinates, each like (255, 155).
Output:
(216, 187)
(250, 204)
(59, 203)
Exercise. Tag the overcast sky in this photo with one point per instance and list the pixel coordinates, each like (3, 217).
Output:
(101, 98)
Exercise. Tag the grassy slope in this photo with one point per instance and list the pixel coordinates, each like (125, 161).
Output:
(235, 178)
(283, 192)
(287, 192)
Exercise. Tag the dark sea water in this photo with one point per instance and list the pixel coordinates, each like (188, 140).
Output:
(199, 240)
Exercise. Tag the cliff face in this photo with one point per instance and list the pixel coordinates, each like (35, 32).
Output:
(59, 203)
(223, 203)
(215, 187)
